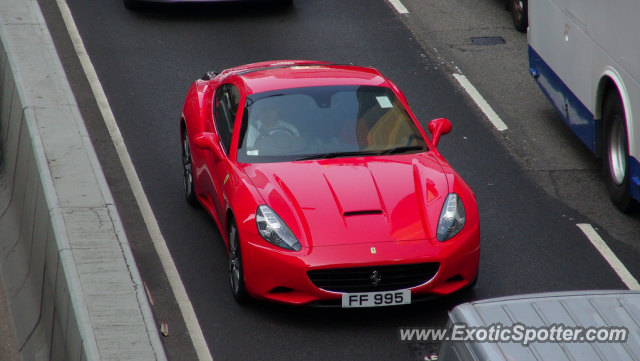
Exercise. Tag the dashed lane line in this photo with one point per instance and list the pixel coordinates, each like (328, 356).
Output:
(606, 252)
(186, 308)
(484, 106)
(399, 7)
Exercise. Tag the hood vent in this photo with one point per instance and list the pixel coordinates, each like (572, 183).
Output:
(361, 213)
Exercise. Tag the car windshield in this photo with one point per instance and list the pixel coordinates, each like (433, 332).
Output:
(325, 122)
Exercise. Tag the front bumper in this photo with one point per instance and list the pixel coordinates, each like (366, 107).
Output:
(281, 276)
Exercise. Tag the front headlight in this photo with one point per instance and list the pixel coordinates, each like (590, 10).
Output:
(273, 229)
(452, 217)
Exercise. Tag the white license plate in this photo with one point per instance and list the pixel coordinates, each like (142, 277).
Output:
(376, 299)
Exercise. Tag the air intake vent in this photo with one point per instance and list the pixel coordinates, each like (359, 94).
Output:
(372, 279)
(361, 213)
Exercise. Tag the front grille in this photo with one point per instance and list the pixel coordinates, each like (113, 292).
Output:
(361, 279)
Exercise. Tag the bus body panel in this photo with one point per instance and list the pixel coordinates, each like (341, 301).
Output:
(574, 112)
(561, 64)
(573, 46)
(613, 26)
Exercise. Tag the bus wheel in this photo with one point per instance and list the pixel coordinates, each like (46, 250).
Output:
(616, 153)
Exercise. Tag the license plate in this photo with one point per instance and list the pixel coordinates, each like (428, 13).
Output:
(376, 299)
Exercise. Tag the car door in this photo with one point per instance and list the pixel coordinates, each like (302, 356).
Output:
(225, 109)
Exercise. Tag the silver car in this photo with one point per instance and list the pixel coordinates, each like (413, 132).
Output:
(585, 309)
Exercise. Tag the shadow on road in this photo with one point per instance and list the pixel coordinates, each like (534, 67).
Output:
(213, 10)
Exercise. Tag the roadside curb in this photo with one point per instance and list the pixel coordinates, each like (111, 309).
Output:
(72, 285)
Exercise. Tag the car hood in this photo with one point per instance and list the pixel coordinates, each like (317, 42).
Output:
(355, 200)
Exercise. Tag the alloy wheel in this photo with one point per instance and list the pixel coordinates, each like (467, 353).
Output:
(187, 173)
(234, 260)
(617, 153)
(517, 8)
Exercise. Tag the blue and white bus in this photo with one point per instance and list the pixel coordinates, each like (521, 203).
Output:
(585, 56)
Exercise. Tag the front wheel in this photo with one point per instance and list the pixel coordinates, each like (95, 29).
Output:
(520, 14)
(187, 170)
(616, 153)
(235, 266)
(474, 282)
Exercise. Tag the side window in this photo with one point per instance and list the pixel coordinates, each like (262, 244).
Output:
(226, 108)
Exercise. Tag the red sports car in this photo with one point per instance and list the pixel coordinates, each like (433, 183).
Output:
(325, 186)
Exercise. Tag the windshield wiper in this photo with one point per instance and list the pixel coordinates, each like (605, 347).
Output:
(400, 149)
(337, 155)
(268, 96)
(363, 152)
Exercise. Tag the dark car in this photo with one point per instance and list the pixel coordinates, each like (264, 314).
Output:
(520, 13)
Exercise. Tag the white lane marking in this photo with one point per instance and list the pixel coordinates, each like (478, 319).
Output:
(606, 252)
(484, 106)
(186, 308)
(399, 7)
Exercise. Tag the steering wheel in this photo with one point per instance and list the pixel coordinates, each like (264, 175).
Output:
(413, 137)
(274, 129)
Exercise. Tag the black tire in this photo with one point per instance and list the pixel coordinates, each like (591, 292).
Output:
(132, 4)
(474, 282)
(236, 273)
(520, 14)
(284, 2)
(187, 170)
(615, 153)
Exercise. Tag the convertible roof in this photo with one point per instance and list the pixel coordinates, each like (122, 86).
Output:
(262, 77)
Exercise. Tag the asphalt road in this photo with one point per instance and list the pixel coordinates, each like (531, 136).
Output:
(146, 61)
(537, 137)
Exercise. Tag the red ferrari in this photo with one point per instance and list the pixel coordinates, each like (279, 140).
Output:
(325, 187)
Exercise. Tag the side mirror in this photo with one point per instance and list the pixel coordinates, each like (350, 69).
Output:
(210, 141)
(438, 127)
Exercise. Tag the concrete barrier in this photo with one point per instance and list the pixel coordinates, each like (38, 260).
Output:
(72, 285)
